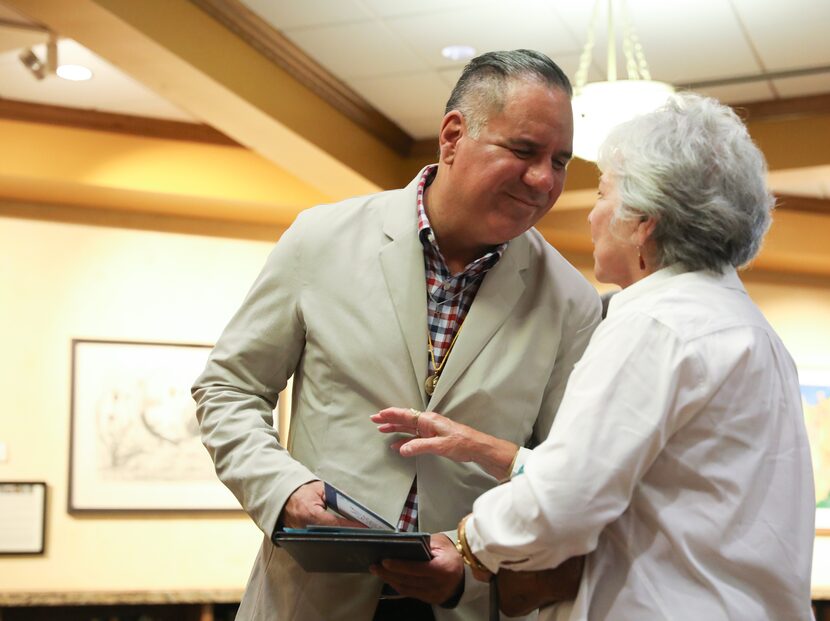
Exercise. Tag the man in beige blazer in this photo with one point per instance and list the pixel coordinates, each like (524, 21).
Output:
(343, 305)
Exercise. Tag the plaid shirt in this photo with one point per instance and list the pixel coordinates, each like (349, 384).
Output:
(448, 300)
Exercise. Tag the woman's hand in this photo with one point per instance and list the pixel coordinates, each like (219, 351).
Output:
(438, 435)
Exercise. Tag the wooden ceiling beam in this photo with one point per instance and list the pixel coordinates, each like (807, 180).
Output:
(229, 85)
(110, 122)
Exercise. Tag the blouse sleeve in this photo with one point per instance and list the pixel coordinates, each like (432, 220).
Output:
(636, 384)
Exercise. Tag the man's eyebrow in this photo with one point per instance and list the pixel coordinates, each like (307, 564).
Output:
(528, 142)
(523, 142)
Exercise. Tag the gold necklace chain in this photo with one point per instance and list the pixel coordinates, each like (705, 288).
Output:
(432, 380)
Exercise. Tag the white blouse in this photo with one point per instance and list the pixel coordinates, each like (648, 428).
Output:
(678, 459)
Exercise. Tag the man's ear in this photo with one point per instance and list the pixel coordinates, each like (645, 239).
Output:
(453, 128)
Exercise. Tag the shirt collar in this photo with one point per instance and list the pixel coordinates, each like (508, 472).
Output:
(673, 273)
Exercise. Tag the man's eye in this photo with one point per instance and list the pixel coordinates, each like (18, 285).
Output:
(559, 165)
(522, 153)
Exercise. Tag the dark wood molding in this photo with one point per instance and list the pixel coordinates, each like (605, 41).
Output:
(22, 25)
(264, 38)
(808, 204)
(111, 122)
(777, 109)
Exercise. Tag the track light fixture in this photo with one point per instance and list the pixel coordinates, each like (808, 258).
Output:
(41, 67)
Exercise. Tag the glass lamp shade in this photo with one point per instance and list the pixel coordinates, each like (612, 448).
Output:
(603, 105)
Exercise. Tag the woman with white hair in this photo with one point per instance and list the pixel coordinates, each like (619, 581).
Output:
(678, 461)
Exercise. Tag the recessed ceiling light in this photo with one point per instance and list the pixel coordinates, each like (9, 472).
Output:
(76, 73)
(458, 52)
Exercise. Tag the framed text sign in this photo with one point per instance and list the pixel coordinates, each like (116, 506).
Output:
(22, 517)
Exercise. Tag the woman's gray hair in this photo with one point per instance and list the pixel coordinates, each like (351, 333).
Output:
(692, 166)
(481, 90)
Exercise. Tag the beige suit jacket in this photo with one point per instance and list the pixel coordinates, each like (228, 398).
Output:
(341, 305)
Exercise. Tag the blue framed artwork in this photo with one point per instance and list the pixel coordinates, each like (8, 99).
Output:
(815, 399)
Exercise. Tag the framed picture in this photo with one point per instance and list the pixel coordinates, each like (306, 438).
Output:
(22, 517)
(134, 439)
(815, 399)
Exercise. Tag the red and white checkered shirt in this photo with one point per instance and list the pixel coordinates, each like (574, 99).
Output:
(449, 298)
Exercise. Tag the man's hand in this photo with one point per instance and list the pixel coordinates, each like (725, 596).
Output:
(433, 582)
(438, 435)
(307, 505)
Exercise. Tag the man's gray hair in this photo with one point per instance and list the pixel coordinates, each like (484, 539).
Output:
(692, 166)
(481, 90)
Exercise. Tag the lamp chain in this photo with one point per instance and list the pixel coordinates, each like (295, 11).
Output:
(636, 65)
(635, 60)
(585, 57)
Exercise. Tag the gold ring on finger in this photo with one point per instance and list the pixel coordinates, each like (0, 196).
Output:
(416, 414)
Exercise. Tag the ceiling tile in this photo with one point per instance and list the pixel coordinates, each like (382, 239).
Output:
(420, 95)
(357, 50)
(739, 93)
(284, 15)
(692, 40)
(395, 8)
(421, 128)
(789, 34)
(567, 62)
(491, 26)
(450, 75)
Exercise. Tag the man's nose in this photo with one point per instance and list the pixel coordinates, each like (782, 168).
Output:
(540, 176)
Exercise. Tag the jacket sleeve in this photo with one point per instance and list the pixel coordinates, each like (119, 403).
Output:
(238, 390)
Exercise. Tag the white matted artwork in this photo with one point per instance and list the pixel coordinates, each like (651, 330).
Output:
(815, 399)
(135, 442)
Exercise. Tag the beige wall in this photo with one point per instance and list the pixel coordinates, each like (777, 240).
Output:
(59, 282)
(63, 281)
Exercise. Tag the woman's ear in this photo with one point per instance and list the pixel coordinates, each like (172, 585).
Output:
(645, 229)
(453, 128)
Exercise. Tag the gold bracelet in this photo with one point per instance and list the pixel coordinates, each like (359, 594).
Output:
(464, 549)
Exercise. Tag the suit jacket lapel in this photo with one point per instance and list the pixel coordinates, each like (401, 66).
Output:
(502, 287)
(402, 262)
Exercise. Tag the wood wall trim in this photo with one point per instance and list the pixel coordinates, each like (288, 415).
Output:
(140, 221)
(112, 122)
(808, 204)
(792, 107)
(260, 35)
(99, 598)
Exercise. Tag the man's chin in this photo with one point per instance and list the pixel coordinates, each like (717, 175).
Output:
(510, 231)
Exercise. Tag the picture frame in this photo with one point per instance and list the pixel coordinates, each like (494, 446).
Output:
(814, 383)
(22, 518)
(134, 438)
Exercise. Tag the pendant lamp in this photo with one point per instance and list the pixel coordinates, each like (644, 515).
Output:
(600, 106)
